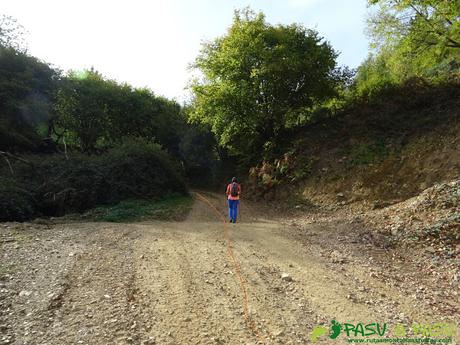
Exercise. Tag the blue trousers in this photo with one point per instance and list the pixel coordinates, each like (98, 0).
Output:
(233, 209)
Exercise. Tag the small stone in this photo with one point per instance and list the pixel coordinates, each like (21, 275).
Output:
(337, 257)
(25, 293)
(279, 332)
(286, 277)
(430, 250)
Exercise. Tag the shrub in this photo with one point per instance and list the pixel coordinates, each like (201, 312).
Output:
(16, 203)
(368, 153)
(142, 170)
(135, 169)
(173, 207)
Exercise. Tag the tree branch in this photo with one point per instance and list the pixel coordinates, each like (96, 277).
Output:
(436, 30)
(9, 164)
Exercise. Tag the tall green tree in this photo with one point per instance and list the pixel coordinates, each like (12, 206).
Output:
(83, 106)
(258, 80)
(27, 91)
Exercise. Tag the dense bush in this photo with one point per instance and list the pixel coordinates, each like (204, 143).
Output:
(16, 203)
(54, 185)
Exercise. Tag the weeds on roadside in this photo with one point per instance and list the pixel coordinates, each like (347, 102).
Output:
(172, 208)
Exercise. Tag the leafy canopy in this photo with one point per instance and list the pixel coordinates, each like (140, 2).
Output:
(98, 112)
(259, 79)
(415, 38)
(12, 34)
(425, 22)
(27, 87)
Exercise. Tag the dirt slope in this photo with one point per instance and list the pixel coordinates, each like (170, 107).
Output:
(174, 282)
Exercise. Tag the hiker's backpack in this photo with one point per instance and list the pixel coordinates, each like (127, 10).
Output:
(234, 189)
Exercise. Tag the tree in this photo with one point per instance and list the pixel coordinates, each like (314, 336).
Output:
(12, 34)
(260, 79)
(27, 90)
(96, 111)
(82, 105)
(411, 39)
(418, 37)
(426, 22)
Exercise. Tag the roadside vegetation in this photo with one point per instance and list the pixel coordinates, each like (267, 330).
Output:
(70, 142)
(174, 207)
(269, 95)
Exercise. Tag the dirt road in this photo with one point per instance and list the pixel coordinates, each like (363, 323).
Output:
(175, 283)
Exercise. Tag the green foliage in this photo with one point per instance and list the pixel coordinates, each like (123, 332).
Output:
(369, 129)
(53, 185)
(368, 153)
(83, 108)
(373, 76)
(260, 79)
(12, 34)
(425, 23)
(293, 166)
(97, 112)
(199, 151)
(16, 203)
(27, 88)
(411, 38)
(173, 207)
(141, 169)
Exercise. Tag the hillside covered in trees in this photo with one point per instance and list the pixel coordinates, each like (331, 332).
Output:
(72, 141)
(270, 100)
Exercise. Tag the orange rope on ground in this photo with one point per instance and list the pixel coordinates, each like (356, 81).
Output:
(249, 321)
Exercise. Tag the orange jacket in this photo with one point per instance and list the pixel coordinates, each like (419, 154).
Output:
(229, 192)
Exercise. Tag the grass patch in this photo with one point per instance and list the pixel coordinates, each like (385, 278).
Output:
(365, 154)
(172, 208)
(20, 237)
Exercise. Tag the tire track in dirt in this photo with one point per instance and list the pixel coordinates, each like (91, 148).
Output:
(191, 291)
(173, 283)
(98, 295)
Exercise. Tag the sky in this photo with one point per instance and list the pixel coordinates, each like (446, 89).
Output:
(151, 43)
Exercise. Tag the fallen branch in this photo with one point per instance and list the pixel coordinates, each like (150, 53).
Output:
(9, 164)
(65, 147)
(10, 155)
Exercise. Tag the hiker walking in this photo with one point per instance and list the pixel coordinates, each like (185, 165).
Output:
(233, 197)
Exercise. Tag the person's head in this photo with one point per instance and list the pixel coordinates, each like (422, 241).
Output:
(233, 179)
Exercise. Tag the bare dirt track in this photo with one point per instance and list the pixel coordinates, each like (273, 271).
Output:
(175, 283)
